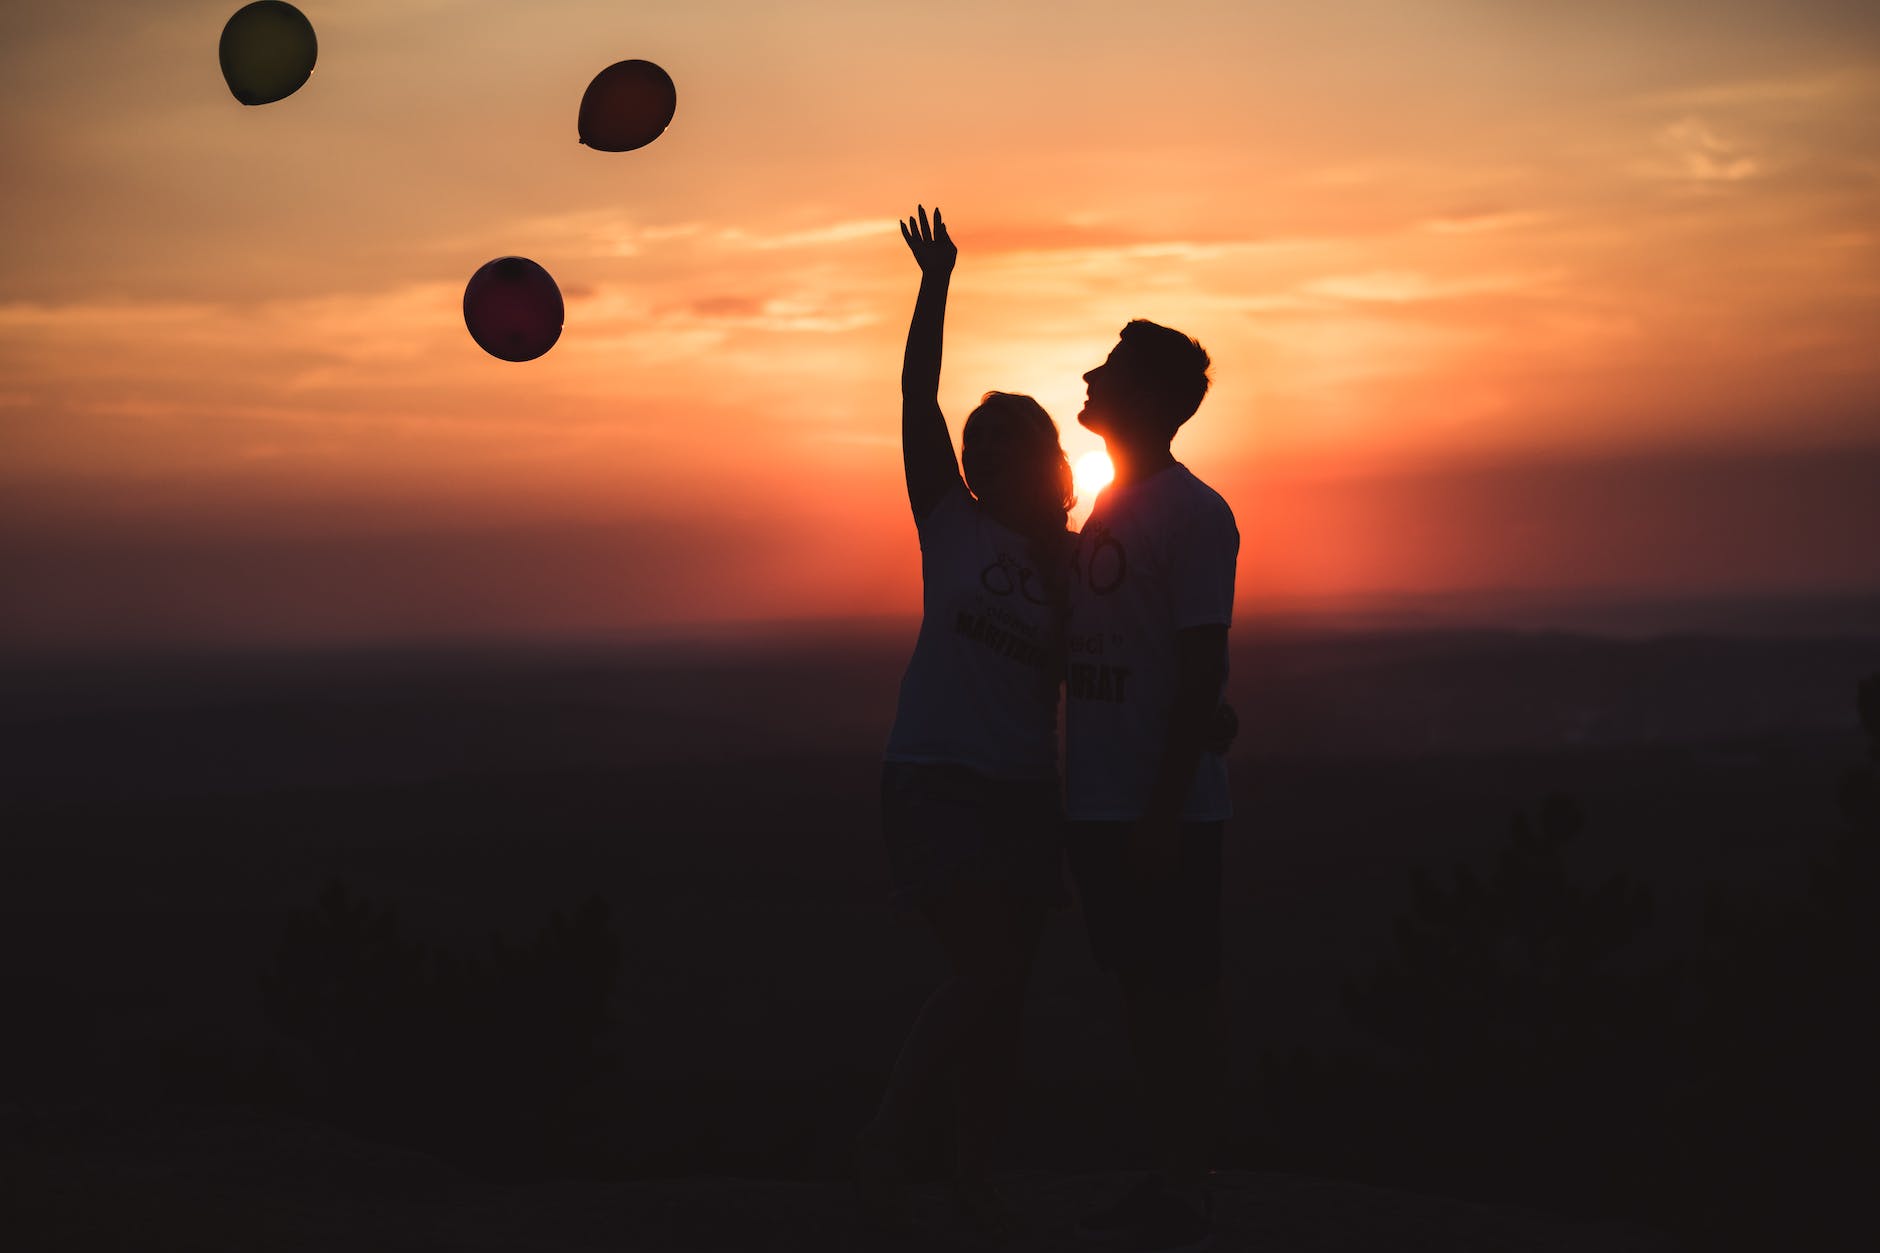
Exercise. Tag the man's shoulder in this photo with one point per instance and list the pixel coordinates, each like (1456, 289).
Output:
(1196, 499)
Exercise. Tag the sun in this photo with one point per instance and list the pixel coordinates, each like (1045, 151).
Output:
(1092, 473)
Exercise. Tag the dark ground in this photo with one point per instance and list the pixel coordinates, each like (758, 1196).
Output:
(165, 816)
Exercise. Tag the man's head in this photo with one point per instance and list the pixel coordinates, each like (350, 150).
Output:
(1151, 383)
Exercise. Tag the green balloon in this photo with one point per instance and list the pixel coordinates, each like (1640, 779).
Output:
(267, 51)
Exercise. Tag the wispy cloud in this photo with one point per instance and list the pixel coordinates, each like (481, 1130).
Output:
(1409, 287)
(1690, 149)
(1480, 223)
(784, 314)
(609, 233)
(1832, 88)
(834, 233)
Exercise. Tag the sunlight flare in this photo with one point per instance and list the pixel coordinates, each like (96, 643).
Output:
(1092, 473)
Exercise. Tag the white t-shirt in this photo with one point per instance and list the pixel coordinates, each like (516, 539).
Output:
(981, 689)
(1156, 556)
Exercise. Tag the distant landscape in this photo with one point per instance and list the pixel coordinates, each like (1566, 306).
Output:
(166, 815)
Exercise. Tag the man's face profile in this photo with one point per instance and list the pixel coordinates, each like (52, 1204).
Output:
(1100, 393)
(1111, 404)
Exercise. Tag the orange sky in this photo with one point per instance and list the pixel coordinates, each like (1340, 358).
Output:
(1500, 295)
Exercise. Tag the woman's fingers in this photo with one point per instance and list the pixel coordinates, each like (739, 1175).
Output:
(919, 231)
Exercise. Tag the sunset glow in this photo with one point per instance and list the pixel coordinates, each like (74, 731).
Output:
(1498, 297)
(1092, 474)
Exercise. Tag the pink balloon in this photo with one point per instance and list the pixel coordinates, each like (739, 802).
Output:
(513, 309)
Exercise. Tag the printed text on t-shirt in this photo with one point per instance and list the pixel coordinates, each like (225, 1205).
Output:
(998, 639)
(1094, 682)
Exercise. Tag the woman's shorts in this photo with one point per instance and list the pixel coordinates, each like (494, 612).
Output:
(947, 825)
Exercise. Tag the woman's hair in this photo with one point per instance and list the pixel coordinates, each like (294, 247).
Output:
(1035, 448)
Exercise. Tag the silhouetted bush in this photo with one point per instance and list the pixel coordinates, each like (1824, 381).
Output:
(1778, 1109)
(484, 1059)
(1526, 1047)
(1494, 978)
(1515, 1032)
(1844, 889)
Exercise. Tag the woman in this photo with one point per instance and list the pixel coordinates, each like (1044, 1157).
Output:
(969, 788)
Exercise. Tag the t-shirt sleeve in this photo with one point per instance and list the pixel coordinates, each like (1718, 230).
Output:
(947, 520)
(1201, 559)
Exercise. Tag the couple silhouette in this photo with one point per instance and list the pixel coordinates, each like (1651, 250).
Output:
(1129, 618)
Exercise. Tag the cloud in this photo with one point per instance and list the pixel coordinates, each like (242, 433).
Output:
(1281, 302)
(834, 233)
(1409, 287)
(1833, 88)
(592, 233)
(1480, 223)
(1692, 150)
(784, 314)
(733, 307)
(85, 342)
(610, 233)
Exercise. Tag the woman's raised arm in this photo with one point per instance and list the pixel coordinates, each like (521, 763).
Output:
(926, 446)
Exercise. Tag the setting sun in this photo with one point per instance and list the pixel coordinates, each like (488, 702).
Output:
(1092, 473)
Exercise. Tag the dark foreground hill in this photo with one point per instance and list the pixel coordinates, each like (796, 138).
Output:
(205, 1183)
(1675, 1041)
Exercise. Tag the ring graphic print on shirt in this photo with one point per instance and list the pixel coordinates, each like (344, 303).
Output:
(1109, 560)
(999, 579)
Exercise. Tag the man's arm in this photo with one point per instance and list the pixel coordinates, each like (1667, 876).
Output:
(1200, 670)
(926, 446)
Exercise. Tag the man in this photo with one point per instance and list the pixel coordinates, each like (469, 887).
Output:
(1152, 597)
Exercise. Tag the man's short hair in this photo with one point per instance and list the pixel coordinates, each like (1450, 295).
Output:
(1169, 366)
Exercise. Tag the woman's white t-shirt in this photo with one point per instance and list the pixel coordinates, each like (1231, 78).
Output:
(982, 687)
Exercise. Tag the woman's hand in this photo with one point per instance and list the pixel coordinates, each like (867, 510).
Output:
(932, 247)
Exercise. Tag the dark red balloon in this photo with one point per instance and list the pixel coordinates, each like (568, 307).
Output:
(513, 309)
(628, 105)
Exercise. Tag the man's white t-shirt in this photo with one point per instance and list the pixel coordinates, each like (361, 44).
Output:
(981, 689)
(1155, 557)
